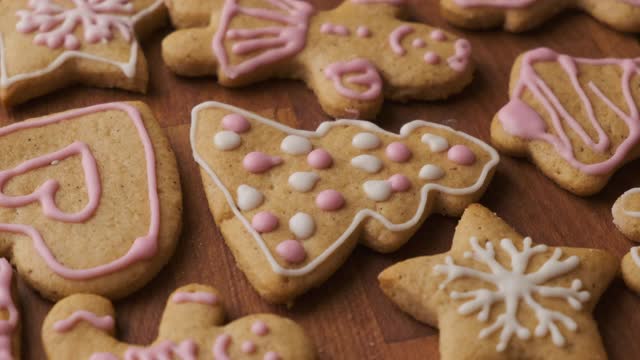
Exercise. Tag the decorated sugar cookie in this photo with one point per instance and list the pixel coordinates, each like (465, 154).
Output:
(521, 15)
(10, 318)
(49, 44)
(576, 118)
(503, 296)
(90, 200)
(626, 216)
(292, 204)
(82, 327)
(352, 57)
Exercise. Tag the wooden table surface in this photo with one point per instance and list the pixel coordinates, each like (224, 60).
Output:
(348, 317)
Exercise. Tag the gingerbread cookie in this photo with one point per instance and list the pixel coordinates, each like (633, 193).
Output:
(90, 200)
(292, 204)
(191, 13)
(626, 216)
(576, 118)
(82, 327)
(503, 296)
(10, 318)
(352, 57)
(49, 44)
(521, 15)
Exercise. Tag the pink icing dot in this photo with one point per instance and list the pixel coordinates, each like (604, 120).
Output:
(319, 159)
(248, 347)
(418, 43)
(431, 58)
(236, 123)
(363, 32)
(264, 222)
(330, 200)
(461, 154)
(258, 162)
(399, 183)
(271, 356)
(438, 35)
(292, 251)
(398, 152)
(259, 327)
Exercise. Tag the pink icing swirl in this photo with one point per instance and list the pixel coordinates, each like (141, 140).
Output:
(332, 29)
(358, 72)
(460, 60)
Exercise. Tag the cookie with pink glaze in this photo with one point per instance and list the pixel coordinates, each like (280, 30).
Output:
(352, 57)
(577, 119)
(192, 327)
(522, 15)
(46, 45)
(293, 204)
(90, 200)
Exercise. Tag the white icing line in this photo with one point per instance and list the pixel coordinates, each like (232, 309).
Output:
(360, 215)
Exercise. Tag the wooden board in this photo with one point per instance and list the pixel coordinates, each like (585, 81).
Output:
(348, 317)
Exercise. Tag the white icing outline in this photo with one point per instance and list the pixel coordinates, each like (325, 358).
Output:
(361, 215)
(128, 68)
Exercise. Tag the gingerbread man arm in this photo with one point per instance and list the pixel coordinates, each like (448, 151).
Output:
(82, 327)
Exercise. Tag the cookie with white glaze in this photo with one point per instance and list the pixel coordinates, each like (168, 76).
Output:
(293, 204)
(192, 327)
(46, 45)
(497, 295)
(522, 15)
(352, 57)
(90, 200)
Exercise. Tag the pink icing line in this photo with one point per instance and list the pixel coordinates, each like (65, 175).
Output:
(459, 61)
(396, 36)
(513, 3)
(200, 297)
(278, 42)
(519, 119)
(220, 347)
(186, 350)
(361, 72)
(143, 247)
(105, 323)
(340, 30)
(7, 327)
(390, 2)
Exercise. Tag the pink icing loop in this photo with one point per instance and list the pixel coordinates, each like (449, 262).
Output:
(398, 152)
(260, 328)
(330, 200)
(462, 155)
(236, 123)
(258, 162)
(431, 58)
(360, 72)
(291, 251)
(264, 222)
(438, 35)
(459, 61)
(399, 183)
(248, 347)
(363, 31)
(271, 356)
(319, 159)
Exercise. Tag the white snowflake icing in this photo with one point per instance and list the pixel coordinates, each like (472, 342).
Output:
(516, 285)
(55, 24)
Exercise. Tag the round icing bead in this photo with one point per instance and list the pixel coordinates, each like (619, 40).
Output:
(462, 155)
(249, 197)
(431, 58)
(260, 328)
(398, 152)
(226, 140)
(399, 183)
(319, 159)
(363, 31)
(365, 141)
(291, 251)
(377, 190)
(436, 143)
(368, 163)
(264, 222)
(303, 181)
(248, 347)
(296, 145)
(258, 162)
(418, 43)
(330, 200)
(236, 123)
(431, 172)
(438, 35)
(302, 225)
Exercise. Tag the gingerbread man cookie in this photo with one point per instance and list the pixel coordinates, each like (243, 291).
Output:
(82, 327)
(90, 200)
(49, 44)
(503, 296)
(352, 57)
(191, 13)
(10, 318)
(292, 204)
(521, 15)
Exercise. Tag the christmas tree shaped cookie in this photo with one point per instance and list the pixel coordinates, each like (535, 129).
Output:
(497, 295)
(292, 204)
(82, 327)
(521, 15)
(49, 44)
(352, 57)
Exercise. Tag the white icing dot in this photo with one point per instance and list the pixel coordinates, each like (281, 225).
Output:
(249, 198)
(302, 225)
(368, 163)
(377, 190)
(226, 140)
(303, 181)
(365, 141)
(431, 172)
(296, 145)
(436, 143)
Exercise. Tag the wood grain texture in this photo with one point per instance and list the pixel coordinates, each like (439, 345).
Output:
(348, 317)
